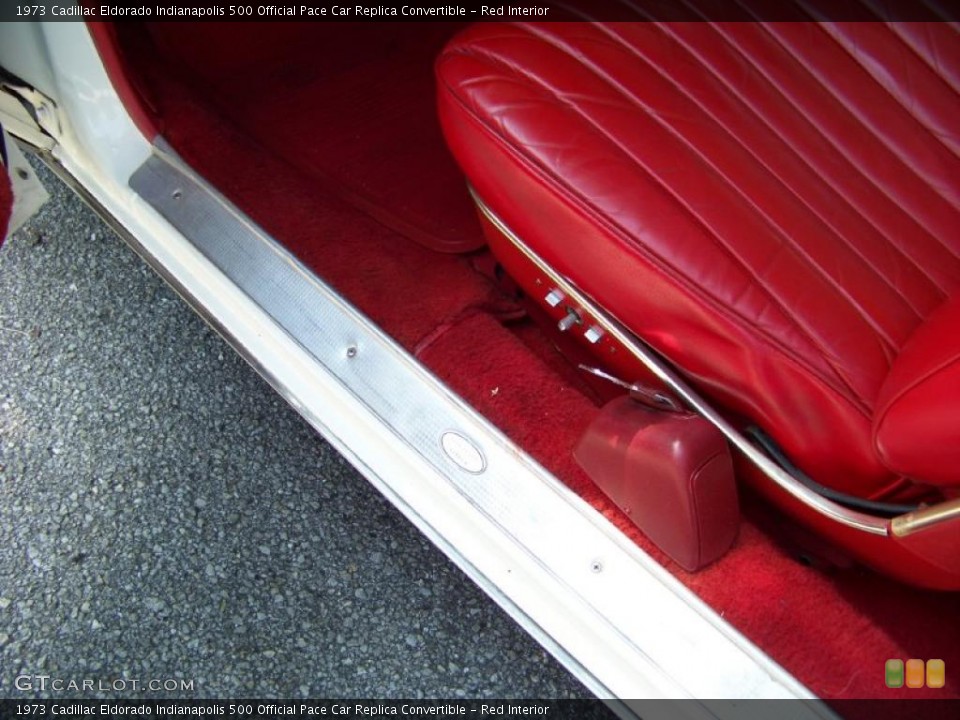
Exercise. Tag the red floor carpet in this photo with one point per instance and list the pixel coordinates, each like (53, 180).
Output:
(325, 136)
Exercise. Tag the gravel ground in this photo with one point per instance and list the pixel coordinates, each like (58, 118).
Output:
(164, 515)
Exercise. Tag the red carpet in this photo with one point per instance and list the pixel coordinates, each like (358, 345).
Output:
(358, 117)
(329, 143)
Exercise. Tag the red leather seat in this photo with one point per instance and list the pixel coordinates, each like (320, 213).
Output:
(773, 207)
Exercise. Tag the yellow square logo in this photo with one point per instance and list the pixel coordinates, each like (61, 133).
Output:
(936, 674)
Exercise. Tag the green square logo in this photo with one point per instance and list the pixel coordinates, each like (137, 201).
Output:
(893, 673)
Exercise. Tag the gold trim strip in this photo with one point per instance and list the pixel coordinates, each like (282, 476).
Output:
(912, 522)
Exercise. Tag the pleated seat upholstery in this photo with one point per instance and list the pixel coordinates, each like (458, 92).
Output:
(773, 207)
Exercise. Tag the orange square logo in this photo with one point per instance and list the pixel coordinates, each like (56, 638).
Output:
(916, 672)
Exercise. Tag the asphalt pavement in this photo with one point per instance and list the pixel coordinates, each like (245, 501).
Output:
(165, 516)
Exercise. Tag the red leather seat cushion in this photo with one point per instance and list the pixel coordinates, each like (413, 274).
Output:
(917, 424)
(775, 207)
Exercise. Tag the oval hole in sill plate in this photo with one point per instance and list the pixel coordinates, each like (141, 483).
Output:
(463, 452)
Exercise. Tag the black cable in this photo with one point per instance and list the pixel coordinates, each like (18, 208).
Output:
(850, 501)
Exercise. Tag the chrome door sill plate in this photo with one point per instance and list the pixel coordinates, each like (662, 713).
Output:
(606, 610)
